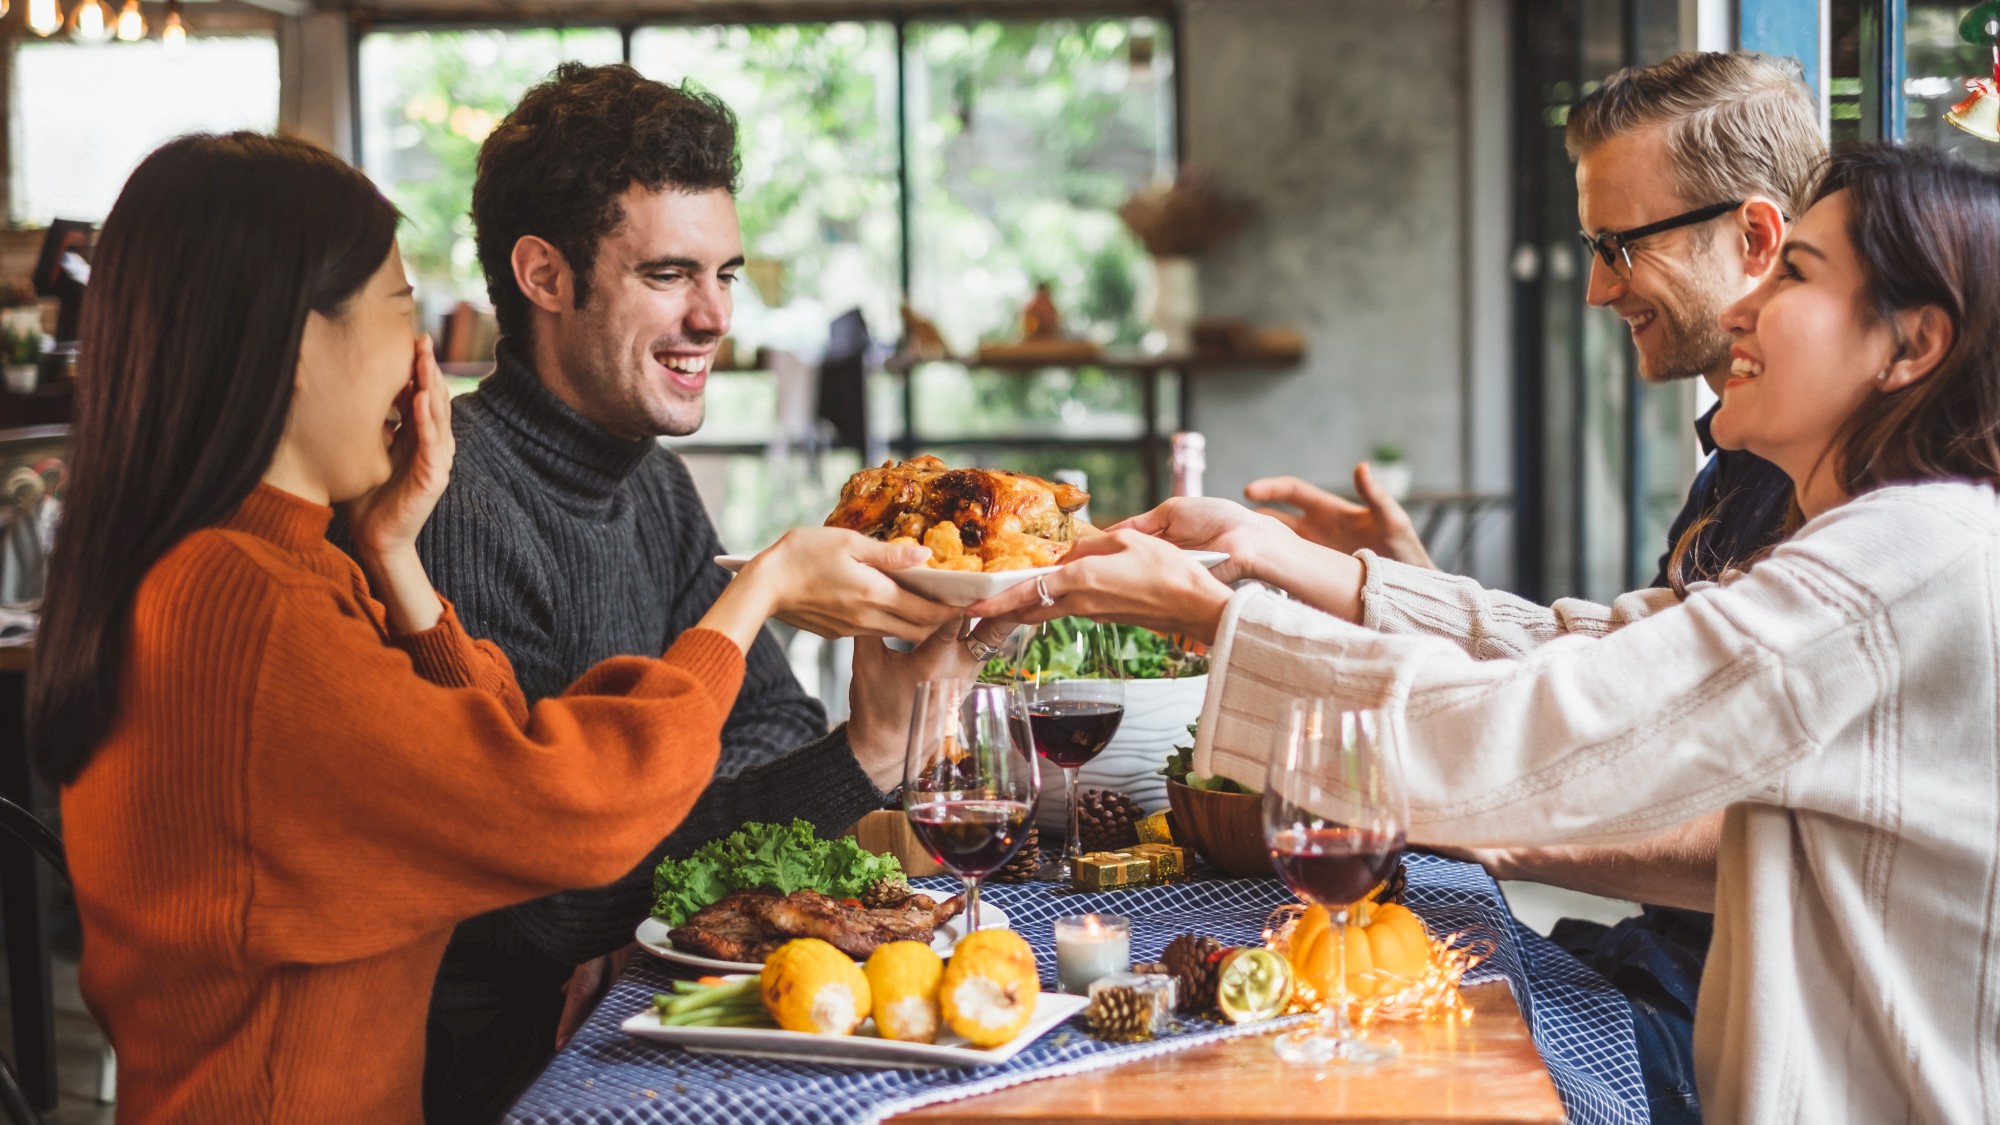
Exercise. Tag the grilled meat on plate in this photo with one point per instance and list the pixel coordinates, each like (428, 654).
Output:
(749, 925)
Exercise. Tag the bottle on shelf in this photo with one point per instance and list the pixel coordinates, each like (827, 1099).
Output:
(1189, 459)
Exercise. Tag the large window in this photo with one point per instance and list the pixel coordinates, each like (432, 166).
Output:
(428, 98)
(85, 114)
(1022, 140)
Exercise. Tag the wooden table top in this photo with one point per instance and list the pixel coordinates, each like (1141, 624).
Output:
(16, 658)
(1485, 1072)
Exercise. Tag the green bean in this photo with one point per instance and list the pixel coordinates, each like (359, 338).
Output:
(719, 994)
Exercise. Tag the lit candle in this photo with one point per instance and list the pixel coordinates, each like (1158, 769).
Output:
(1090, 946)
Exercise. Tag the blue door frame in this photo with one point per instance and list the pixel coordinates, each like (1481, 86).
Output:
(1793, 27)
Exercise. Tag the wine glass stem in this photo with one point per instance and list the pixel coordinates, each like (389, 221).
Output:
(1073, 846)
(1333, 1017)
(971, 902)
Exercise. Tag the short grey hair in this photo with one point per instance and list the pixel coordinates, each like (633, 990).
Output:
(1738, 123)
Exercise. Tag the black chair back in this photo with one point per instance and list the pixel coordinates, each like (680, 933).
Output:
(27, 828)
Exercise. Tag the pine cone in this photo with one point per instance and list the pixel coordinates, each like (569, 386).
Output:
(886, 891)
(1107, 820)
(1194, 962)
(1122, 1014)
(1025, 865)
(1392, 887)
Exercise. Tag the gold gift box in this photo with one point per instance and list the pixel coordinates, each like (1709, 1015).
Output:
(1171, 864)
(1103, 871)
(1154, 829)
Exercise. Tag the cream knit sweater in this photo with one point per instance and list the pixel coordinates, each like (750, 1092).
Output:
(1841, 700)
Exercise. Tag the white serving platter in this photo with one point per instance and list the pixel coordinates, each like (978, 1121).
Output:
(652, 937)
(861, 1049)
(964, 587)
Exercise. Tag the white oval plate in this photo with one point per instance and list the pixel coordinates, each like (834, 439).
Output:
(862, 1048)
(652, 937)
(963, 587)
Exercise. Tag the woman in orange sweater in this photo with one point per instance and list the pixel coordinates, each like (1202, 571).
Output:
(281, 794)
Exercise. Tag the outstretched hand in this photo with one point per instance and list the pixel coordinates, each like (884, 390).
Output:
(1125, 576)
(832, 582)
(1250, 539)
(1378, 523)
(386, 520)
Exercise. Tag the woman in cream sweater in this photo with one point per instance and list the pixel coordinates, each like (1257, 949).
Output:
(1840, 698)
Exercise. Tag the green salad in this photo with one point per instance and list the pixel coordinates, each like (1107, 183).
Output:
(1060, 651)
(784, 857)
(1180, 768)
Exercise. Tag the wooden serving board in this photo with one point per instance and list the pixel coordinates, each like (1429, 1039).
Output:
(1485, 1072)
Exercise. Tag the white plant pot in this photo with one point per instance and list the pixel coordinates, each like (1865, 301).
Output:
(1157, 714)
(22, 377)
(1393, 477)
(1173, 305)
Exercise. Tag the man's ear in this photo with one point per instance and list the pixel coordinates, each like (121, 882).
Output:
(543, 275)
(1927, 337)
(1760, 225)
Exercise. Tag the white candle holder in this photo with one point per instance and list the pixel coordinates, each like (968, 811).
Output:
(1090, 946)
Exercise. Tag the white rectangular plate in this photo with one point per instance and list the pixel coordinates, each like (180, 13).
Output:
(963, 587)
(860, 1049)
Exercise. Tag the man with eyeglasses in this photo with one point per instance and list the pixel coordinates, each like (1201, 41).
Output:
(1687, 173)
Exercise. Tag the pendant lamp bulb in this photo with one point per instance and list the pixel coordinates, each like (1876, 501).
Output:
(131, 24)
(173, 34)
(45, 17)
(92, 21)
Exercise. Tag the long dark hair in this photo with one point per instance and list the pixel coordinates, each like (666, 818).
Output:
(216, 250)
(1926, 228)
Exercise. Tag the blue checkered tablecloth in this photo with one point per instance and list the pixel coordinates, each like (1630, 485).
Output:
(1582, 1027)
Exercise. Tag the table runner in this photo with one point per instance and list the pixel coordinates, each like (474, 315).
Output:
(1581, 1025)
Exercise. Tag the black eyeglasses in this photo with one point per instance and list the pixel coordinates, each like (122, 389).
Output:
(1615, 247)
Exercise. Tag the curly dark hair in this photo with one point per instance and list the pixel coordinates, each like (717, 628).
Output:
(554, 168)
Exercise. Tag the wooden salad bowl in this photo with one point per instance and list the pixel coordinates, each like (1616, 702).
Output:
(1226, 829)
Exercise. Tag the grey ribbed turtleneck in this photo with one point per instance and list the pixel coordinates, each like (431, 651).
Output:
(566, 545)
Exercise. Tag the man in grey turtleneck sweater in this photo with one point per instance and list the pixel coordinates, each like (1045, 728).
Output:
(607, 231)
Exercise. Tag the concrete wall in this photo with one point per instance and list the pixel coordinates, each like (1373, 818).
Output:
(1371, 135)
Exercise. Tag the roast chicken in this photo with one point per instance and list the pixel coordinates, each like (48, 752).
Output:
(971, 519)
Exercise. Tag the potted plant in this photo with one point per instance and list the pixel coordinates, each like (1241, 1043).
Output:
(21, 340)
(1176, 222)
(1164, 687)
(1386, 464)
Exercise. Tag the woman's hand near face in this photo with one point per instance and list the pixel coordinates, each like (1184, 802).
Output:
(1124, 576)
(828, 581)
(385, 521)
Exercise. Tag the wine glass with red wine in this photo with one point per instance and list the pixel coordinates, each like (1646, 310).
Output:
(1334, 819)
(1074, 708)
(969, 783)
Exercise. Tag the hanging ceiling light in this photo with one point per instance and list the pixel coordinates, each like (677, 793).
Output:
(92, 21)
(131, 25)
(173, 35)
(45, 17)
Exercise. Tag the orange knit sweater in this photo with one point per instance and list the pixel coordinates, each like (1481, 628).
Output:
(294, 806)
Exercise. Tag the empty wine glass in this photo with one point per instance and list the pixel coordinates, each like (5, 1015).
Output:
(969, 779)
(1075, 700)
(1334, 819)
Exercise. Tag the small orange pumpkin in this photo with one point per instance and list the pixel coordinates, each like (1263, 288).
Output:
(1387, 949)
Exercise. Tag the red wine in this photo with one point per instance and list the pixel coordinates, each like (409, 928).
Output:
(1070, 732)
(1334, 866)
(971, 837)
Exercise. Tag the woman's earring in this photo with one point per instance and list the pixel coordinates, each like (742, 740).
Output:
(1883, 376)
